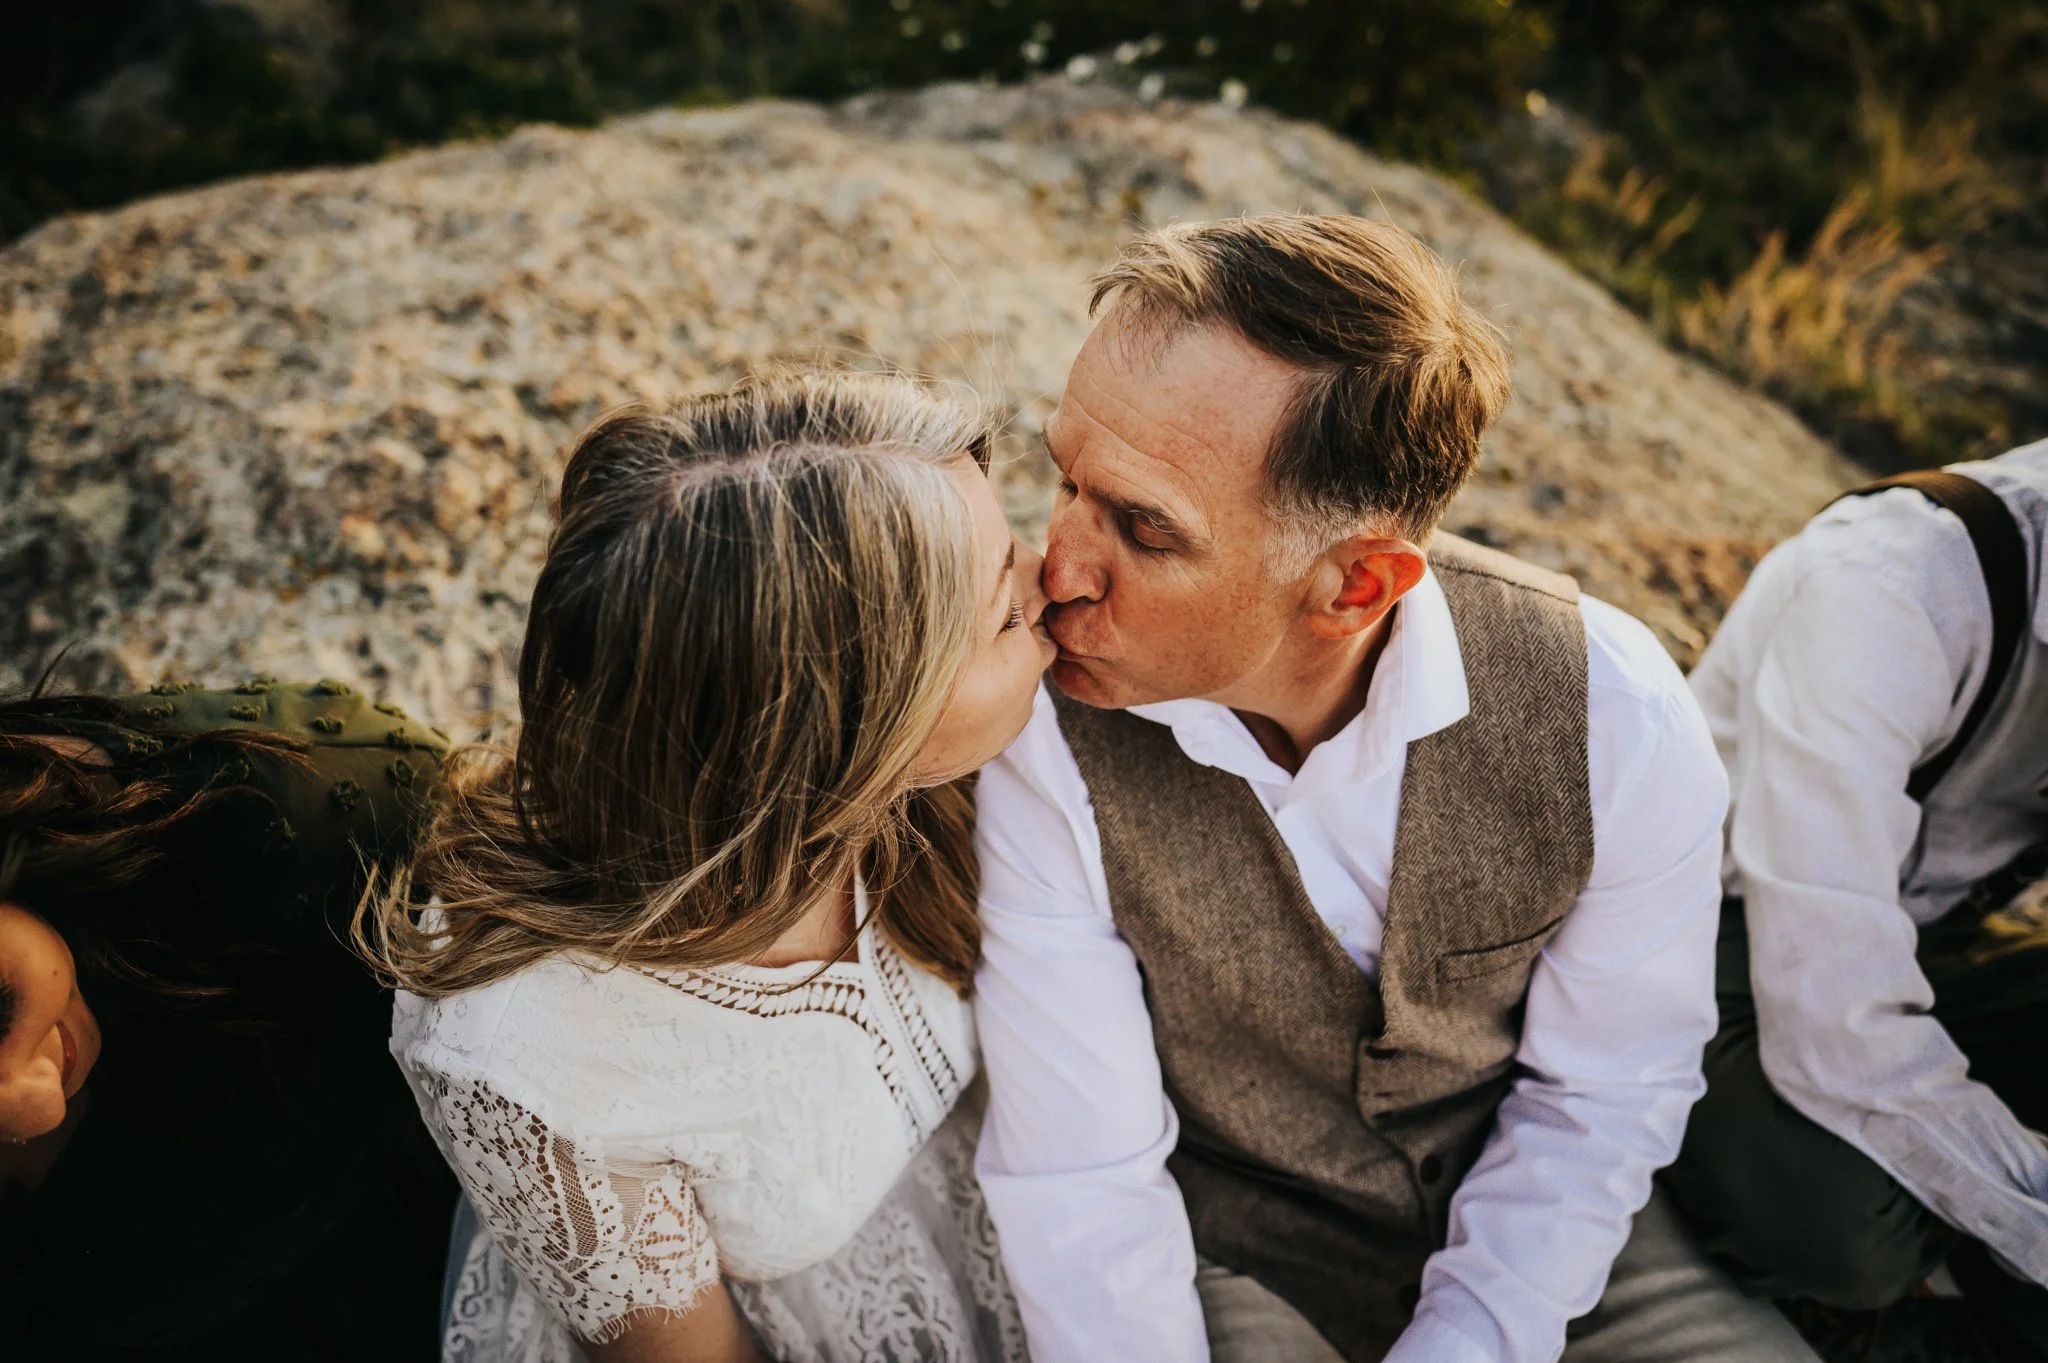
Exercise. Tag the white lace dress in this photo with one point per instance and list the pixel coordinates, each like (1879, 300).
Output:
(629, 1137)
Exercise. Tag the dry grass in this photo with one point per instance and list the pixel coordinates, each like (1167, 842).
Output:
(1818, 326)
(1616, 227)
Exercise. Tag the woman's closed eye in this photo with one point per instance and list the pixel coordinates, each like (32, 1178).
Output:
(1014, 619)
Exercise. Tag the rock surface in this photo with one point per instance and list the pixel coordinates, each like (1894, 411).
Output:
(309, 424)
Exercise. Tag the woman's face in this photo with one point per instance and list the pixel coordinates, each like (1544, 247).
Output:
(992, 700)
(53, 1041)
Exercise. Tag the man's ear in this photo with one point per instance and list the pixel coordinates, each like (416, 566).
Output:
(1358, 582)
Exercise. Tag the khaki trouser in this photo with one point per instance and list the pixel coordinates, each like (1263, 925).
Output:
(1664, 1304)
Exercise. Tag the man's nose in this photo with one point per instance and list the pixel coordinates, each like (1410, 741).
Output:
(1072, 571)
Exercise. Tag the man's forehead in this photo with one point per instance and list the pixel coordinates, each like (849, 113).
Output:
(1192, 405)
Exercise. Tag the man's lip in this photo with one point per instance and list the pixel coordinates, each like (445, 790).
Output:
(70, 1045)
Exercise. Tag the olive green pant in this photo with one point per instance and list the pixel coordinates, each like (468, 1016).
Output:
(1792, 1210)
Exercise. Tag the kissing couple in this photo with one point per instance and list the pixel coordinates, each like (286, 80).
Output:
(1318, 969)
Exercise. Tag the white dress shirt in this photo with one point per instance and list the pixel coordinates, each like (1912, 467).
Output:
(1094, 1232)
(1851, 657)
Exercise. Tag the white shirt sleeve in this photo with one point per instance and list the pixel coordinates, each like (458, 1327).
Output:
(1073, 1150)
(1620, 1007)
(1852, 685)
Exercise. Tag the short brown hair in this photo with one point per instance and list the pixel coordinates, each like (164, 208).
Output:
(1399, 376)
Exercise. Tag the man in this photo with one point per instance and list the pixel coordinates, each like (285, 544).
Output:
(1880, 695)
(1349, 921)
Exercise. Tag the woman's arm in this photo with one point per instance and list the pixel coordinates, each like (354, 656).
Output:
(710, 1331)
(616, 1250)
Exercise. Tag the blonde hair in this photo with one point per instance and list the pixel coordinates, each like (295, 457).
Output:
(752, 613)
(1400, 377)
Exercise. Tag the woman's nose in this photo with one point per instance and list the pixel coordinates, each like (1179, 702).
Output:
(1030, 572)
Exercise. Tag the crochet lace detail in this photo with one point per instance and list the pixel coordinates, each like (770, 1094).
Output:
(844, 995)
(598, 1240)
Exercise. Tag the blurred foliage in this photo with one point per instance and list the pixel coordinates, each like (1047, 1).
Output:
(1769, 114)
(1765, 182)
(105, 101)
(1802, 193)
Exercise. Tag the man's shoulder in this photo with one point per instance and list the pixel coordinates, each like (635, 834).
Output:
(1454, 556)
(1863, 559)
(1624, 656)
(2024, 467)
(1634, 688)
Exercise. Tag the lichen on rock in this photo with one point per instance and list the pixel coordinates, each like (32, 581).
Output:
(310, 424)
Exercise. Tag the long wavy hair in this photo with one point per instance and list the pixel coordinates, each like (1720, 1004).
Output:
(87, 846)
(752, 614)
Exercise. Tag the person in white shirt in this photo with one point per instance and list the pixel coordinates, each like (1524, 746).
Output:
(687, 1011)
(1878, 1090)
(1348, 922)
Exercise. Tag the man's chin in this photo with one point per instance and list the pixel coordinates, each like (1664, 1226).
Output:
(1073, 677)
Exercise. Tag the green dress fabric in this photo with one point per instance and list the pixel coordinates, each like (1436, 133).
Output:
(250, 1178)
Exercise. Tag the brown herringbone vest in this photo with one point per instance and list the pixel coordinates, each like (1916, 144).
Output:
(1326, 1118)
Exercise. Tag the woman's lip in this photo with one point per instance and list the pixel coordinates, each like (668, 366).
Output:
(70, 1045)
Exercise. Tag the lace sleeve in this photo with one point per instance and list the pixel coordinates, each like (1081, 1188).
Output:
(595, 1239)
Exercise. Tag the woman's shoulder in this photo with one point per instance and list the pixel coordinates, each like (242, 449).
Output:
(540, 1039)
(572, 1018)
(676, 1065)
(557, 1003)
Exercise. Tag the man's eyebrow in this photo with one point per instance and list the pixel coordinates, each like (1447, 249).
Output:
(1009, 567)
(1158, 518)
(1045, 443)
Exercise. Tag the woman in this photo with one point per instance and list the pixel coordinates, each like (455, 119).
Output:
(204, 1151)
(688, 1015)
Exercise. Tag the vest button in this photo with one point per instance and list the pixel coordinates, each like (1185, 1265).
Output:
(1379, 1052)
(1431, 1169)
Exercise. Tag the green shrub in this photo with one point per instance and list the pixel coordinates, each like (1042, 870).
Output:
(231, 97)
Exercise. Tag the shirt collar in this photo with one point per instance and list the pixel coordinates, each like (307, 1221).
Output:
(1417, 689)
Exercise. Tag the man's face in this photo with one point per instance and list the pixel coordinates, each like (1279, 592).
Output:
(1156, 556)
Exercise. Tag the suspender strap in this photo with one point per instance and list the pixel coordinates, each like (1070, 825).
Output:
(2002, 557)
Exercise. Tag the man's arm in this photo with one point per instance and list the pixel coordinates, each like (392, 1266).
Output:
(1073, 1150)
(1620, 1006)
(1855, 682)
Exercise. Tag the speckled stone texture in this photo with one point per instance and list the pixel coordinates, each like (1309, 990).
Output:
(309, 424)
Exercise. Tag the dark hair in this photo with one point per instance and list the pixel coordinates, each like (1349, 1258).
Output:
(72, 841)
(1399, 376)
